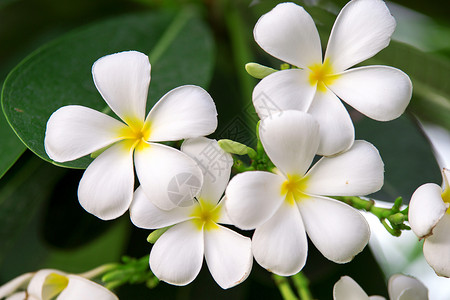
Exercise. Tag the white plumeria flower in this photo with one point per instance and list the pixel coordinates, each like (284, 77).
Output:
(429, 217)
(283, 207)
(400, 287)
(107, 186)
(177, 255)
(361, 30)
(50, 284)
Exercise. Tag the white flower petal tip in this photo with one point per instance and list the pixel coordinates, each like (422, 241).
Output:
(291, 140)
(436, 248)
(177, 256)
(106, 188)
(185, 112)
(228, 256)
(361, 30)
(124, 75)
(381, 93)
(288, 32)
(82, 288)
(402, 287)
(74, 131)
(356, 172)
(337, 230)
(347, 289)
(426, 209)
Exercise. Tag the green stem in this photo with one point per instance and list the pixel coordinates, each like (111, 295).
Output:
(284, 287)
(301, 283)
(96, 272)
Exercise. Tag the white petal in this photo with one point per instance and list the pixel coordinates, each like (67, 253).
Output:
(253, 197)
(14, 284)
(426, 208)
(82, 288)
(145, 214)
(337, 230)
(335, 126)
(106, 188)
(74, 131)
(215, 165)
(347, 289)
(376, 298)
(402, 287)
(228, 256)
(39, 289)
(436, 248)
(20, 296)
(184, 112)
(356, 172)
(168, 177)
(122, 79)
(224, 218)
(290, 140)
(177, 255)
(283, 90)
(288, 32)
(381, 93)
(280, 244)
(361, 30)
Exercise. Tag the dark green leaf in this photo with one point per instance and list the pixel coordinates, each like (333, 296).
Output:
(10, 146)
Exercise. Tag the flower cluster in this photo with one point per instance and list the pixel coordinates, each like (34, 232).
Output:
(182, 191)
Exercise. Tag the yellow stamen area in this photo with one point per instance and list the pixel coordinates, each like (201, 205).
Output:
(294, 188)
(53, 285)
(446, 197)
(137, 133)
(206, 215)
(322, 75)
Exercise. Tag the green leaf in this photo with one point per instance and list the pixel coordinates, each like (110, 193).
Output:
(11, 148)
(179, 45)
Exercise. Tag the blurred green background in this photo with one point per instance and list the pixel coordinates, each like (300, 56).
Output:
(189, 42)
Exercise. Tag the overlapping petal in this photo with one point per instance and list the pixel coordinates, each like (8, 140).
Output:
(290, 140)
(123, 79)
(358, 171)
(426, 208)
(228, 256)
(82, 288)
(283, 90)
(11, 286)
(436, 247)
(74, 131)
(335, 126)
(177, 256)
(280, 244)
(106, 188)
(184, 112)
(47, 283)
(168, 177)
(361, 30)
(382, 93)
(347, 289)
(253, 197)
(288, 32)
(402, 287)
(145, 214)
(337, 230)
(215, 164)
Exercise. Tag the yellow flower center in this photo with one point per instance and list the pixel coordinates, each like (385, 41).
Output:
(446, 197)
(137, 133)
(294, 188)
(53, 285)
(206, 215)
(321, 75)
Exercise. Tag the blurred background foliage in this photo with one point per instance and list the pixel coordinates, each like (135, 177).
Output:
(48, 46)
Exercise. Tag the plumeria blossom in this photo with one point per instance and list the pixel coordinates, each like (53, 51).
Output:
(361, 30)
(429, 217)
(50, 284)
(400, 287)
(285, 205)
(177, 256)
(106, 188)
